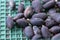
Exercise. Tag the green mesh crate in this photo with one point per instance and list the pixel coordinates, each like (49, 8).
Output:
(15, 33)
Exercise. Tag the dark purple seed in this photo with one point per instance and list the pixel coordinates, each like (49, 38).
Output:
(28, 32)
(40, 15)
(21, 8)
(45, 32)
(58, 4)
(36, 30)
(37, 6)
(49, 22)
(36, 37)
(56, 37)
(51, 11)
(28, 12)
(36, 21)
(49, 4)
(9, 22)
(55, 29)
(18, 16)
(45, 1)
(22, 23)
(56, 17)
(12, 5)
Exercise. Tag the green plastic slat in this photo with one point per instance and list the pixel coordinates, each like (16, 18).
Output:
(2, 20)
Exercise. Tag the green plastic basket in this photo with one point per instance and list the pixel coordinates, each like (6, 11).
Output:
(15, 33)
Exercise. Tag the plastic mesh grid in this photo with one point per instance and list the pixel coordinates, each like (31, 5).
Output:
(2, 19)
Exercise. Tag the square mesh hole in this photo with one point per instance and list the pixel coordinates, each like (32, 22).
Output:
(13, 31)
(8, 36)
(2, 9)
(19, 39)
(24, 39)
(7, 39)
(7, 9)
(2, 31)
(2, 39)
(12, 35)
(18, 35)
(7, 31)
(2, 27)
(13, 39)
(2, 36)
(2, 1)
(2, 23)
(2, 18)
(16, 1)
(1, 13)
(2, 5)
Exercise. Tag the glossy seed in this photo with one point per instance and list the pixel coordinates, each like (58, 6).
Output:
(37, 6)
(36, 21)
(55, 29)
(49, 4)
(45, 1)
(45, 32)
(28, 32)
(58, 4)
(28, 12)
(9, 22)
(49, 22)
(22, 23)
(40, 15)
(12, 5)
(18, 16)
(21, 8)
(36, 37)
(56, 37)
(36, 30)
(56, 17)
(51, 11)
